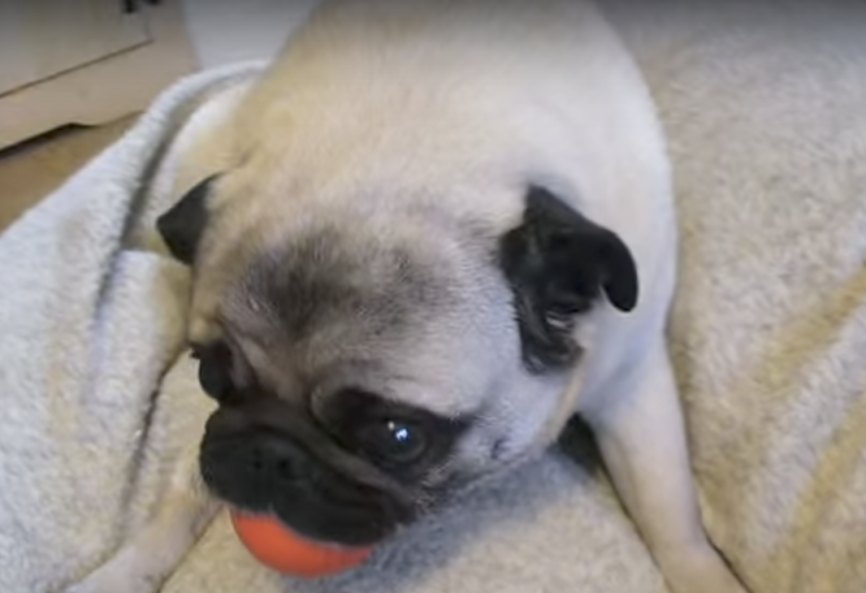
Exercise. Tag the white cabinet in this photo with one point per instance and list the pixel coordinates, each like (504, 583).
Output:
(85, 61)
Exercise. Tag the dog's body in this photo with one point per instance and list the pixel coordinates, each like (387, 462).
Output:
(448, 220)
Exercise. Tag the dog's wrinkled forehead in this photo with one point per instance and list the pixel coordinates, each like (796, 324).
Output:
(324, 276)
(331, 295)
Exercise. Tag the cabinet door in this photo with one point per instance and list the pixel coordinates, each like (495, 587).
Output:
(43, 38)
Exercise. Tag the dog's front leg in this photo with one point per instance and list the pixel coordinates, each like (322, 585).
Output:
(144, 562)
(641, 435)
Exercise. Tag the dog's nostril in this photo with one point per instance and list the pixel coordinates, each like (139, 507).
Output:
(273, 458)
(284, 469)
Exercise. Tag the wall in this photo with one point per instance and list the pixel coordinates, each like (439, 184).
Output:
(225, 31)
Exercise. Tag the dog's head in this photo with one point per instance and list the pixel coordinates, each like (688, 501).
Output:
(372, 347)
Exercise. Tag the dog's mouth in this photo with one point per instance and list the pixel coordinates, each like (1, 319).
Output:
(312, 512)
(263, 471)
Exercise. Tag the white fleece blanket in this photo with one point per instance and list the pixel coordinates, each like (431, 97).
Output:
(766, 114)
(764, 104)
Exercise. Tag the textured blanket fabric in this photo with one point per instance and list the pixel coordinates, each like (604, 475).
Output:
(765, 109)
(90, 322)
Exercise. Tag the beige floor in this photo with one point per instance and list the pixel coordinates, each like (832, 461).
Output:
(30, 171)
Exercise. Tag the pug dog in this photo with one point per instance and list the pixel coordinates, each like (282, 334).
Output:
(428, 235)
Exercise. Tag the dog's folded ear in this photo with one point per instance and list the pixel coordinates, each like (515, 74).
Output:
(182, 225)
(558, 264)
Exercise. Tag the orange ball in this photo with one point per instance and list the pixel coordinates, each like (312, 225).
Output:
(277, 547)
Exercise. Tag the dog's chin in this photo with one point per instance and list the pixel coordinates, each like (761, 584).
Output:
(332, 525)
(315, 520)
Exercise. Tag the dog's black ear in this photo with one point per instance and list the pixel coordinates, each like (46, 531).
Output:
(558, 263)
(182, 226)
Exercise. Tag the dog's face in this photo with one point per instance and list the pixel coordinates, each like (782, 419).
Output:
(371, 352)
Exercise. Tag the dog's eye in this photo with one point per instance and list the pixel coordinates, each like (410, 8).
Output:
(393, 441)
(214, 369)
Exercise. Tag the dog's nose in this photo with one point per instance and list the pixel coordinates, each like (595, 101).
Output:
(278, 459)
(257, 450)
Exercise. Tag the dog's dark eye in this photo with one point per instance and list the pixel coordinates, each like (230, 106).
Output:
(214, 369)
(393, 441)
